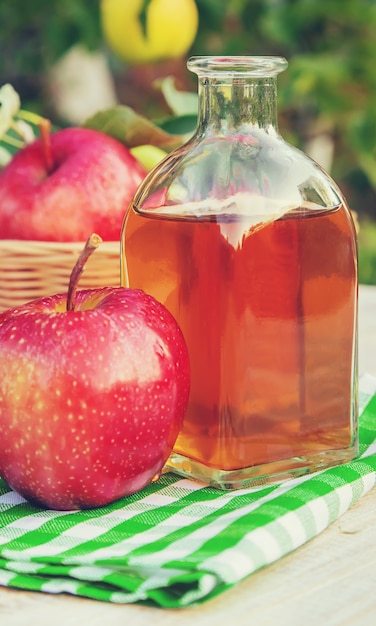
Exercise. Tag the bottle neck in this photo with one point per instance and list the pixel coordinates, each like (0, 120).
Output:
(230, 106)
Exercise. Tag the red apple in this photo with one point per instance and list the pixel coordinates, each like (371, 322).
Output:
(62, 187)
(91, 399)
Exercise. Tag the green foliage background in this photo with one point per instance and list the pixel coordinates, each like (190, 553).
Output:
(330, 85)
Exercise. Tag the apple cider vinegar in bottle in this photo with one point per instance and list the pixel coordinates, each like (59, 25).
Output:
(252, 248)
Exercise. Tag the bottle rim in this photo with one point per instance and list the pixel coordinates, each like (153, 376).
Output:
(256, 66)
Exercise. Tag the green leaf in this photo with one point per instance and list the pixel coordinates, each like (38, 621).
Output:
(9, 106)
(180, 125)
(367, 163)
(5, 156)
(180, 102)
(132, 129)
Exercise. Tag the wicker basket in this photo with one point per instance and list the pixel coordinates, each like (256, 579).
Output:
(32, 269)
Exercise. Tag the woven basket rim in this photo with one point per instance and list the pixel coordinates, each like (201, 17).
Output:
(33, 269)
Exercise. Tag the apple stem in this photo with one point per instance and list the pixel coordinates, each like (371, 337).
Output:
(45, 133)
(91, 245)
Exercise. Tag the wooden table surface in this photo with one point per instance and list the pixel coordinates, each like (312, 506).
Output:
(330, 581)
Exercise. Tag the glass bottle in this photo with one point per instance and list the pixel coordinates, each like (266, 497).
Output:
(251, 246)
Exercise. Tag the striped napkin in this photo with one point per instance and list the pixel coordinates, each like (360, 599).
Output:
(177, 542)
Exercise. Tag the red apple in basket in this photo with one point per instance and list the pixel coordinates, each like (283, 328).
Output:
(93, 389)
(67, 184)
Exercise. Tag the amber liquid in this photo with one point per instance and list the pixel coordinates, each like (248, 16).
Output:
(269, 317)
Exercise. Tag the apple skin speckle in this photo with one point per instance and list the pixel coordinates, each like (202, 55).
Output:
(91, 400)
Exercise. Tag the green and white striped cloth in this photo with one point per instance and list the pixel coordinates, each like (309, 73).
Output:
(177, 543)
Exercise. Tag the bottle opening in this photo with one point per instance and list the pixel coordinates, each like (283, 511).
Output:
(258, 66)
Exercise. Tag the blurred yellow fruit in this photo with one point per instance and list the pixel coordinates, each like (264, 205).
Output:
(148, 155)
(169, 30)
